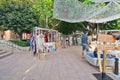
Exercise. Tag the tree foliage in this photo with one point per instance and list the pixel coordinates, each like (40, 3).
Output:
(18, 16)
(115, 24)
(44, 9)
(68, 28)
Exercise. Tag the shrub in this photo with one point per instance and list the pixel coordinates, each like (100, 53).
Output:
(19, 43)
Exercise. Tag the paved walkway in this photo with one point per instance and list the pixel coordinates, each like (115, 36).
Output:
(64, 64)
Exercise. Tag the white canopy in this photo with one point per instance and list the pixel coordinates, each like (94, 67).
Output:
(75, 11)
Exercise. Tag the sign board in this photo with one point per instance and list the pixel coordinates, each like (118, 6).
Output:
(105, 47)
(106, 38)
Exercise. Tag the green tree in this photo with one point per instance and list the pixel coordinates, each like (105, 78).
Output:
(68, 28)
(115, 24)
(44, 9)
(18, 16)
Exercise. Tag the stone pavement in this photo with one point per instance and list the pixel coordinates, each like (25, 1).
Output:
(64, 64)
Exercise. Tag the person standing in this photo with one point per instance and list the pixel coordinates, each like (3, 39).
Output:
(84, 41)
(70, 40)
(39, 43)
(33, 43)
(4, 37)
(63, 42)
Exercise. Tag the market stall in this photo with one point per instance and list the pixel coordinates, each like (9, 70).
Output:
(49, 35)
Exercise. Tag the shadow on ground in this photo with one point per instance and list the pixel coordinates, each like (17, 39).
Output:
(98, 76)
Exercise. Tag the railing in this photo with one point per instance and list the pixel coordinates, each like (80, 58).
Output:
(10, 46)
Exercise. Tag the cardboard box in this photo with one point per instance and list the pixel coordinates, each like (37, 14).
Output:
(43, 56)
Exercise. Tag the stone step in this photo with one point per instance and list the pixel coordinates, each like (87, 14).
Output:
(5, 54)
(2, 52)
